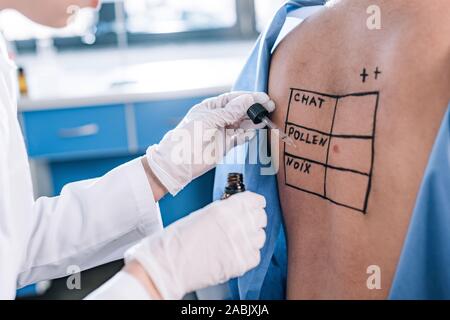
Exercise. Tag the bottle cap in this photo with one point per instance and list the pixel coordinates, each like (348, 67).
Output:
(257, 112)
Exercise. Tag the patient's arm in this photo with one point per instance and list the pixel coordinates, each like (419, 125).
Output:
(364, 108)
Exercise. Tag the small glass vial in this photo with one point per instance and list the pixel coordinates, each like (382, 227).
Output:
(23, 87)
(235, 184)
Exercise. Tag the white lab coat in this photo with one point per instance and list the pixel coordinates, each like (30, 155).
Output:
(92, 222)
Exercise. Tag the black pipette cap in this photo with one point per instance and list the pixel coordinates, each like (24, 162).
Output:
(257, 112)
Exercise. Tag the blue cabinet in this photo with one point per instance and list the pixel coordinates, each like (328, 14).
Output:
(154, 119)
(69, 132)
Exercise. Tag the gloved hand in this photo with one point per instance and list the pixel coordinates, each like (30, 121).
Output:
(185, 152)
(208, 247)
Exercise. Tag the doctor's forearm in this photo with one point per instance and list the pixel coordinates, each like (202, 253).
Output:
(106, 216)
(158, 189)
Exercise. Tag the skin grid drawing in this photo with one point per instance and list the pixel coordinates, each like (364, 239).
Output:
(312, 158)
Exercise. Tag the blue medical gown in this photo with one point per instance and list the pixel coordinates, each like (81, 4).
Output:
(423, 271)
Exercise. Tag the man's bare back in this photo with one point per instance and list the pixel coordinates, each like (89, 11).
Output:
(364, 107)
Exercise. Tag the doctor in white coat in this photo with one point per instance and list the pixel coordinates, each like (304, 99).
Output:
(99, 220)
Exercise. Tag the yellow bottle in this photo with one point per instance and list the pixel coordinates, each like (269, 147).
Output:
(23, 87)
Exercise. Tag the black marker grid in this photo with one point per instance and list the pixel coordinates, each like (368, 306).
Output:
(330, 135)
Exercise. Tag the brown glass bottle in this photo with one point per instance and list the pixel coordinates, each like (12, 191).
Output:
(235, 184)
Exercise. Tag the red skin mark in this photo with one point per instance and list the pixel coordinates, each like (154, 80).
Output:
(336, 148)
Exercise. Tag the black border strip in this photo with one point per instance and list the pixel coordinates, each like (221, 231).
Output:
(328, 134)
(369, 187)
(323, 197)
(355, 94)
(328, 149)
(327, 165)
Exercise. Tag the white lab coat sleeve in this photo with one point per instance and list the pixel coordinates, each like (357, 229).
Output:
(90, 223)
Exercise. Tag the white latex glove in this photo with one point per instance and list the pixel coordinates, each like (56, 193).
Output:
(123, 286)
(185, 152)
(208, 247)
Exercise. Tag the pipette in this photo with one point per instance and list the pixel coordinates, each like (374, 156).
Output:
(258, 114)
